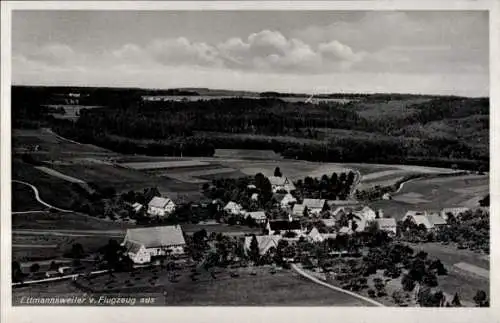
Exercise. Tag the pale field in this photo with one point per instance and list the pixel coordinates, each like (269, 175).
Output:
(164, 164)
(411, 198)
(473, 269)
(59, 175)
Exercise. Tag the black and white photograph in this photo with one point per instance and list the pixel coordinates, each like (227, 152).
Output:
(333, 158)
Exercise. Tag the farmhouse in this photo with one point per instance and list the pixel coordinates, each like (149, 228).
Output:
(387, 224)
(255, 197)
(315, 236)
(258, 216)
(160, 206)
(143, 243)
(281, 183)
(265, 243)
(314, 206)
(233, 208)
(436, 221)
(455, 211)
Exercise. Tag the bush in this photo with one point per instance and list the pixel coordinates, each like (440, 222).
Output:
(371, 293)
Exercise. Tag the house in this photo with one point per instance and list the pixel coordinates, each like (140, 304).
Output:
(143, 243)
(251, 187)
(410, 214)
(388, 225)
(455, 211)
(233, 208)
(298, 210)
(279, 183)
(258, 216)
(386, 196)
(346, 231)
(282, 226)
(265, 243)
(314, 206)
(160, 206)
(436, 221)
(420, 219)
(255, 197)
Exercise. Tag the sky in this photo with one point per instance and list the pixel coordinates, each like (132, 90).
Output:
(426, 52)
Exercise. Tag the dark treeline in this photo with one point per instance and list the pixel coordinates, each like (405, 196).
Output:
(196, 128)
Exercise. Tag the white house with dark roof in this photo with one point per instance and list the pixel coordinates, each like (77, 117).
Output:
(281, 183)
(264, 242)
(258, 216)
(160, 206)
(388, 225)
(143, 243)
(314, 206)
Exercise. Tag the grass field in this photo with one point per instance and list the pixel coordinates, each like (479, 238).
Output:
(29, 247)
(447, 192)
(61, 221)
(247, 153)
(285, 288)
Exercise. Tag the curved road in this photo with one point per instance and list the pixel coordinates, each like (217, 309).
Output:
(317, 281)
(37, 196)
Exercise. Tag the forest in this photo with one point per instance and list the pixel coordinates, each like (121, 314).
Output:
(128, 124)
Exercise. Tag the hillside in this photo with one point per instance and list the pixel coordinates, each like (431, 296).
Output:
(381, 128)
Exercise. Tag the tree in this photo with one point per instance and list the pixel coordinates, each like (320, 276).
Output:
(34, 268)
(456, 301)
(408, 283)
(481, 299)
(17, 272)
(254, 249)
(77, 251)
(53, 265)
(277, 172)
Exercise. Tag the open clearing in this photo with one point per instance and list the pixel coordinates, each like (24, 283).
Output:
(59, 175)
(250, 154)
(164, 164)
(411, 198)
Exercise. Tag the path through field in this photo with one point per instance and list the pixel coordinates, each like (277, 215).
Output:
(346, 292)
(37, 196)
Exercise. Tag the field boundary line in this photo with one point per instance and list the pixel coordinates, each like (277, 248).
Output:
(317, 281)
(37, 196)
(52, 279)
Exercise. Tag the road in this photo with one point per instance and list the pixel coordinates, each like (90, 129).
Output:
(367, 301)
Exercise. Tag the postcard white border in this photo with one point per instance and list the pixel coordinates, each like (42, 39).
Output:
(246, 314)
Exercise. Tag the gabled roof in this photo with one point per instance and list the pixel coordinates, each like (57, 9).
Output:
(159, 202)
(275, 180)
(298, 210)
(435, 219)
(414, 213)
(132, 247)
(265, 242)
(314, 203)
(258, 215)
(422, 219)
(153, 237)
(386, 222)
(284, 225)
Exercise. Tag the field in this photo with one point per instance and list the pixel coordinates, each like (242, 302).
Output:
(249, 153)
(61, 221)
(70, 110)
(438, 193)
(392, 108)
(38, 247)
(285, 288)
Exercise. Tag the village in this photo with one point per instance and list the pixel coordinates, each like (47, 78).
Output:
(338, 241)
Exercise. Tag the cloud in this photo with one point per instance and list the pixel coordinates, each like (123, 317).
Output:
(53, 54)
